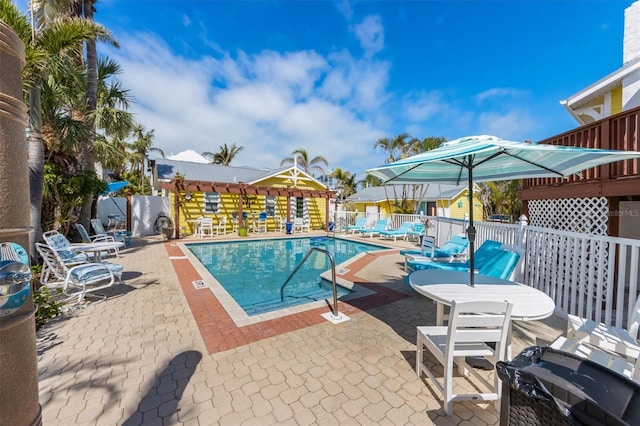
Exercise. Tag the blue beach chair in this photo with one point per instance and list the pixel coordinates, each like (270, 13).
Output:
(360, 224)
(380, 225)
(395, 233)
(492, 259)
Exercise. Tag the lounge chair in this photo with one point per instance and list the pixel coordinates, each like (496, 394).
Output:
(122, 236)
(418, 230)
(610, 338)
(395, 233)
(380, 225)
(63, 246)
(453, 249)
(79, 279)
(360, 224)
(86, 238)
(492, 259)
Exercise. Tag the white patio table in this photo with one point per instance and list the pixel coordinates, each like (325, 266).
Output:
(97, 248)
(443, 287)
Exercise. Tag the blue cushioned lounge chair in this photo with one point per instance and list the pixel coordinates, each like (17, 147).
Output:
(395, 233)
(416, 232)
(455, 246)
(492, 258)
(380, 225)
(76, 280)
(360, 224)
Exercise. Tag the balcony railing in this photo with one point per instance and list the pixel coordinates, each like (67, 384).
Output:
(618, 132)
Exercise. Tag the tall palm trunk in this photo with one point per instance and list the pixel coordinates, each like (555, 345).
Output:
(36, 167)
(87, 157)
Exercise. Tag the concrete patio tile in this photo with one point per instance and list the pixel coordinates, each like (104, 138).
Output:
(145, 361)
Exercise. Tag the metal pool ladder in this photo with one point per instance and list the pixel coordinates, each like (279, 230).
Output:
(334, 310)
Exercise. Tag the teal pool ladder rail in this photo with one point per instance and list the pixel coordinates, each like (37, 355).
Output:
(334, 310)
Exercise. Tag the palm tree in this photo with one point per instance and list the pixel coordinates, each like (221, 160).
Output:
(370, 180)
(140, 149)
(46, 44)
(301, 158)
(225, 156)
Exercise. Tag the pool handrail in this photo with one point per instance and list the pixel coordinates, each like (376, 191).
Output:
(334, 310)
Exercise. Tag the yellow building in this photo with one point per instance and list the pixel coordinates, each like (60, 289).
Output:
(618, 91)
(212, 190)
(433, 200)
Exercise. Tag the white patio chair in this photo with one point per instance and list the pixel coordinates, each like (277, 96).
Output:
(206, 227)
(472, 325)
(77, 280)
(86, 238)
(301, 225)
(121, 236)
(610, 338)
(619, 364)
(221, 226)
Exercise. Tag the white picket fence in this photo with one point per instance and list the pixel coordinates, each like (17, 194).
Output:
(591, 276)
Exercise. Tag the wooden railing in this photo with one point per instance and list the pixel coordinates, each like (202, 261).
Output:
(618, 132)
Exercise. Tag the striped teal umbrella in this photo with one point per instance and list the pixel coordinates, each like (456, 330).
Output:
(488, 158)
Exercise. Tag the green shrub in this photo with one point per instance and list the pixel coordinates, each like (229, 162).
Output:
(47, 307)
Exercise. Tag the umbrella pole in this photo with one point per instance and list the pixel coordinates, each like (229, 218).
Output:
(471, 230)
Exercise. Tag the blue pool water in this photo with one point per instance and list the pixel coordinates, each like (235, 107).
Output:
(252, 272)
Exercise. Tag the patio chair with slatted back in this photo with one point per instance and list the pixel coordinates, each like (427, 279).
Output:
(476, 329)
(79, 280)
(610, 338)
(86, 238)
(121, 236)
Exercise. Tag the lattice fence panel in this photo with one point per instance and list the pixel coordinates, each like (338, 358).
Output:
(587, 259)
(586, 215)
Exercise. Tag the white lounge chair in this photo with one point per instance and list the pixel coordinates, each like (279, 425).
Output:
(76, 280)
(619, 364)
(619, 340)
(86, 238)
(472, 325)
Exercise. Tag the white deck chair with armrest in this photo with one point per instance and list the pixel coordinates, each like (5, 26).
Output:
(86, 238)
(118, 235)
(610, 338)
(77, 280)
(472, 325)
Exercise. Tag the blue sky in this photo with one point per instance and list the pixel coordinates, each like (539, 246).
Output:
(332, 77)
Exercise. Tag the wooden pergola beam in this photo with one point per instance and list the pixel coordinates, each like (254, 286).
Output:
(244, 189)
(182, 185)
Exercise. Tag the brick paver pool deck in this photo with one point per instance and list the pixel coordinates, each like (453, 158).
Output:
(160, 352)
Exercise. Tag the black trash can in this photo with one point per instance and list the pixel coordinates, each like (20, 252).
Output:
(544, 386)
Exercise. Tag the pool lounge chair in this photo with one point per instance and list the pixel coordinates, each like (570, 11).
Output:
(86, 238)
(417, 231)
(76, 280)
(492, 259)
(380, 225)
(395, 233)
(456, 247)
(122, 236)
(360, 224)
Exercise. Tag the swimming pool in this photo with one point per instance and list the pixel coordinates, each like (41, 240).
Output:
(252, 272)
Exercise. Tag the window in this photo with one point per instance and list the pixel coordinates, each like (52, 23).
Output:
(212, 202)
(270, 205)
(299, 207)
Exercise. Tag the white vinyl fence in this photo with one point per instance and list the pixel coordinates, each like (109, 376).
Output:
(592, 276)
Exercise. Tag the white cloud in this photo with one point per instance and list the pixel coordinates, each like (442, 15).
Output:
(515, 125)
(370, 34)
(271, 103)
(500, 92)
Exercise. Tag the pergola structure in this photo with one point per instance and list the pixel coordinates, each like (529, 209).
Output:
(182, 186)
